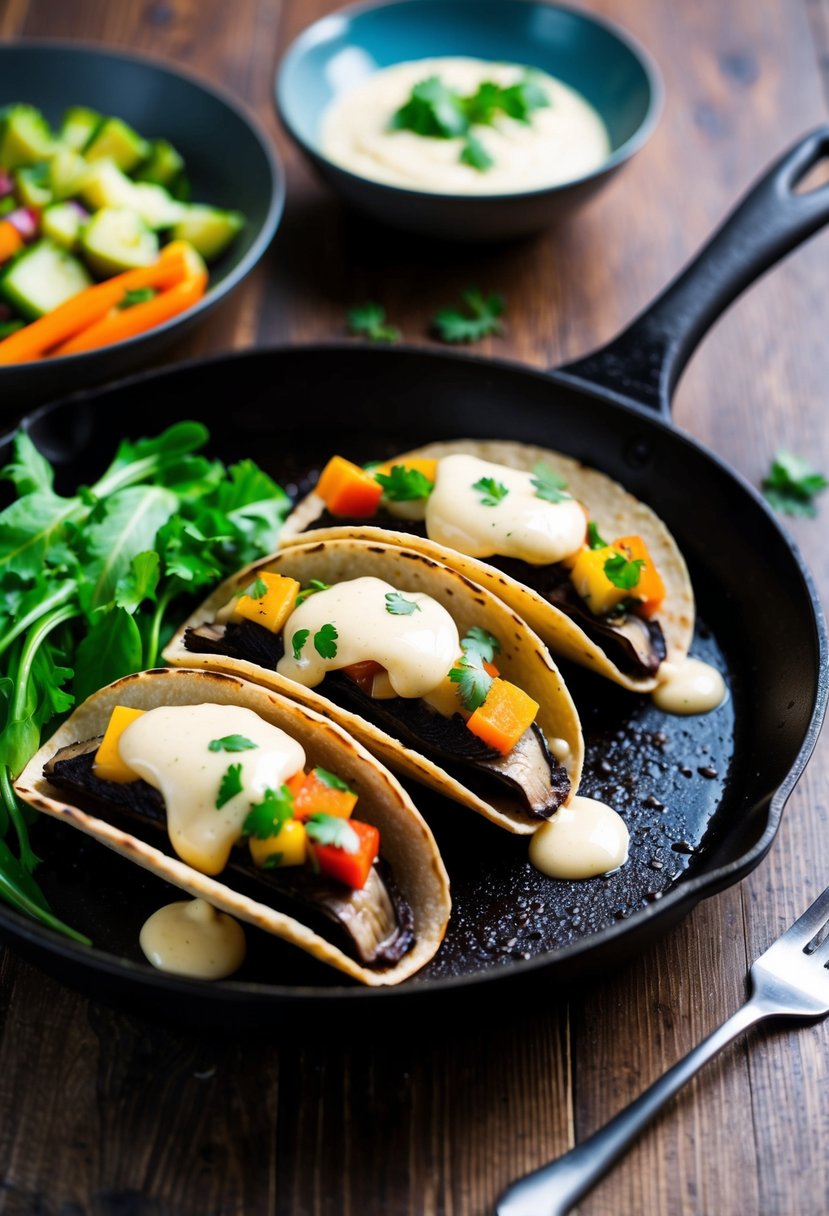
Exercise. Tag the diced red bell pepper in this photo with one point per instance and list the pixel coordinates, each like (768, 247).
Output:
(352, 869)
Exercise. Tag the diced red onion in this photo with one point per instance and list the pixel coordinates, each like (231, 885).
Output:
(6, 185)
(25, 221)
(82, 212)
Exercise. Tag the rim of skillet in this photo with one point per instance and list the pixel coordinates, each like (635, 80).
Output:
(311, 35)
(691, 890)
(276, 206)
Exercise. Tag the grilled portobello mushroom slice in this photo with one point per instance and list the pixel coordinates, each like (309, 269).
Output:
(374, 925)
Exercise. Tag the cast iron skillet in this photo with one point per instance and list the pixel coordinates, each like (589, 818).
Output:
(703, 796)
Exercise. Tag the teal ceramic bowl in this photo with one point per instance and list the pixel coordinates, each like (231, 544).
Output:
(595, 58)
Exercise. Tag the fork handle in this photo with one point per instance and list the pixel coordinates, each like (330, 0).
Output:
(555, 1188)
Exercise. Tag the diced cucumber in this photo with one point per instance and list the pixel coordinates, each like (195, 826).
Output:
(25, 137)
(164, 167)
(32, 185)
(208, 229)
(106, 186)
(62, 223)
(78, 125)
(67, 173)
(114, 140)
(42, 277)
(117, 239)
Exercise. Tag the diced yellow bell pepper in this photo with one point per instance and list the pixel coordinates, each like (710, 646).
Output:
(593, 585)
(289, 847)
(274, 607)
(504, 716)
(108, 764)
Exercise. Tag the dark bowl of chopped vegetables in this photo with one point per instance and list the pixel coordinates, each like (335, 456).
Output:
(133, 198)
(548, 105)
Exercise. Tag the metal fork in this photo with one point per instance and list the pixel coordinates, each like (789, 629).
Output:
(791, 980)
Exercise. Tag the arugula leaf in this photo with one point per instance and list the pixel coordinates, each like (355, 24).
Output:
(139, 582)
(398, 605)
(266, 818)
(325, 642)
(28, 470)
(622, 573)
(122, 526)
(404, 485)
(111, 648)
(332, 780)
(492, 492)
(230, 785)
(473, 681)
(313, 587)
(549, 485)
(475, 154)
(369, 321)
(792, 485)
(482, 317)
(298, 641)
(594, 541)
(231, 743)
(332, 830)
(482, 643)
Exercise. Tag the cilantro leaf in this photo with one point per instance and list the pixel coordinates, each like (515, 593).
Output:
(298, 641)
(230, 785)
(369, 321)
(313, 587)
(594, 541)
(491, 491)
(548, 485)
(622, 573)
(266, 818)
(257, 590)
(791, 485)
(433, 109)
(231, 743)
(332, 780)
(481, 318)
(482, 643)
(404, 485)
(472, 680)
(325, 642)
(398, 605)
(475, 154)
(332, 830)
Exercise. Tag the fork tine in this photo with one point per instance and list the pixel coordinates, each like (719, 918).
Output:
(807, 925)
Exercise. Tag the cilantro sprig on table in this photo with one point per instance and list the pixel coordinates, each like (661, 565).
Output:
(369, 321)
(92, 584)
(436, 111)
(482, 317)
(792, 485)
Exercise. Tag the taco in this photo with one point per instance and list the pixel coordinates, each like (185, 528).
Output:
(592, 570)
(436, 676)
(262, 827)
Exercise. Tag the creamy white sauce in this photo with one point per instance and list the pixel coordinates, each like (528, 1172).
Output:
(689, 687)
(561, 142)
(169, 748)
(582, 840)
(193, 938)
(417, 649)
(519, 524)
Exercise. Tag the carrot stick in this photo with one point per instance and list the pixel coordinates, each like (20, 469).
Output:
(122, 323)
(10, 240)
(90, 305)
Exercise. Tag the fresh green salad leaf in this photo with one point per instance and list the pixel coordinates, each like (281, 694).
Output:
(481, 318)
(792, 485)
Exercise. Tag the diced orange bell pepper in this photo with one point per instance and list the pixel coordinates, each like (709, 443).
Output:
(273, 608)
(504, 716)
(346, 489)
(108, 765)
(350, 868)
(650, 589)
(10, 240)
(295, 783)
(319, 795)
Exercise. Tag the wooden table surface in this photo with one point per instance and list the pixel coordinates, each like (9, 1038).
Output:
(105, 1114)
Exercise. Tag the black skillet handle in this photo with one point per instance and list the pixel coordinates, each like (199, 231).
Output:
(645, 361)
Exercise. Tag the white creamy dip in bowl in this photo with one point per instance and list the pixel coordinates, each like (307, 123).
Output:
(343, 79)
